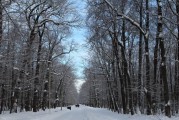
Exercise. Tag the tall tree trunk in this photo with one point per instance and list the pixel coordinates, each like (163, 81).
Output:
(163, 59)
(28, 63)
(122, 84)
(1, 33)
(140, 60)
(176, 88)
(123, 93)
(127, 79)
(37, 71)
(1, 23)
(115, 53)
(155, 82)
(147, 61)
(26, 68)
(2, 98)
(128, 82)
(123, 67)
(45, 93)
(13, 84)
(109, 90)
(115, 88)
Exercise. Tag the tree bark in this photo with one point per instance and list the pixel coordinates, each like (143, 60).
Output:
(140, 59)
(2, 98)
(147, 61)
(116, 53)
(176, 88)
(163, 59)
(37, 80)
(1, 33)
(1, 23)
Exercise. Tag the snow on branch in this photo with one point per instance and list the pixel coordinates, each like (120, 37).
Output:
(168, 103)
(145, 90)
(16, 68)
(127, 18)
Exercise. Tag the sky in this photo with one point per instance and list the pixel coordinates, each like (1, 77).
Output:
(78, 56)
(79, 37)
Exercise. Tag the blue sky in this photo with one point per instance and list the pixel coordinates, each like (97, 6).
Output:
(78, 56)
(79, 36)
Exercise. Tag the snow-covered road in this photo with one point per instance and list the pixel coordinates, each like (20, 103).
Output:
(81, 113)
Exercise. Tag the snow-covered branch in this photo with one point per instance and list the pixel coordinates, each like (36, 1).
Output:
(127, 18)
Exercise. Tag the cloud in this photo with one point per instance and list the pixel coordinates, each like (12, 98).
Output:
(78, 84)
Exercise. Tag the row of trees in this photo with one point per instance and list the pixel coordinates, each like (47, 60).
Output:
(135, 56)
(33, 72)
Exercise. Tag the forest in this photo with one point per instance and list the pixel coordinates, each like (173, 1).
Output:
(133, 63)
(34, 70)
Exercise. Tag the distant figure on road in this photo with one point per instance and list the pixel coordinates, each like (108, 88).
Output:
(77, 105)
(69, 107)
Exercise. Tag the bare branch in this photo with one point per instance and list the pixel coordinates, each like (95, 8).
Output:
(127, 18)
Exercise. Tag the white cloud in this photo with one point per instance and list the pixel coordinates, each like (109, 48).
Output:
(78, 84)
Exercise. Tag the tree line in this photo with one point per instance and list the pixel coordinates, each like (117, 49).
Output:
(35, 72)
(134, 63)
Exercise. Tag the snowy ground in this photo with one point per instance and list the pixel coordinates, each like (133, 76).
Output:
(81, 113)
